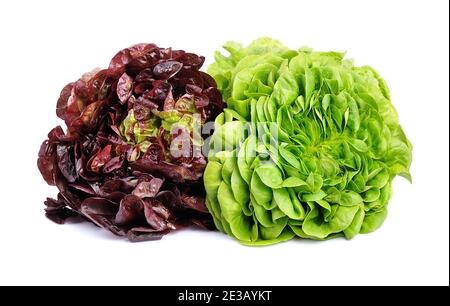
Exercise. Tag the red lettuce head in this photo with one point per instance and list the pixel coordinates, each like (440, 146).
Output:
(131, 159)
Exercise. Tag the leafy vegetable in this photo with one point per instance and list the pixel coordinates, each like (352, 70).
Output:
(308, 146)
(131, 159)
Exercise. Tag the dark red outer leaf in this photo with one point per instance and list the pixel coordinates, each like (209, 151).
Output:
(208, 80)
(112, 185)
(176, 54)
(203, 224)
(154, 153)
(83, 188)
(57, 211)
(46, 164)
(95, 84)
(140, 88)
(73, 108)
(138, 53)
(159, 92)
(191, 60)
(114, 163)
(193, 89)
(145, 75)
(194, 202)
(144, 56)
(148, 189)
(141, 111)
(99, 206)
(172, 172)
(139, 234)
(131, 209)
(100, 159)
(116, 196)
(61, 105)
(185, 77)
(167, 69)
(201, 102)
(169, 102)
(152, 218)
(124, 88)
(65, 163)
(161, 210)
(88, 113)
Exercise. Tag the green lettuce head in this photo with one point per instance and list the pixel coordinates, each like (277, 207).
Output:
(308, 146)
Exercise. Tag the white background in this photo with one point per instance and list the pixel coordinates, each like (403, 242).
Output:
(46, 44)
